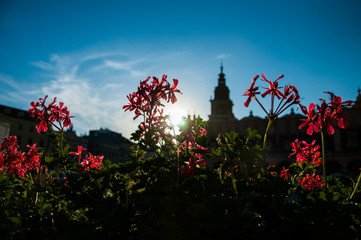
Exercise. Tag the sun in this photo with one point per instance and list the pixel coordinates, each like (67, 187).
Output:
(176, 116)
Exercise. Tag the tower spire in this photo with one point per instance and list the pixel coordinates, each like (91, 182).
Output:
(221, 79)
(221, 65)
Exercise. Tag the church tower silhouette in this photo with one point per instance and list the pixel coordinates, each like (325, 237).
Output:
(221, 104)
(221, 119)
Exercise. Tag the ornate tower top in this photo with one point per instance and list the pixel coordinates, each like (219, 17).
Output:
(221, 79)
(221, 92)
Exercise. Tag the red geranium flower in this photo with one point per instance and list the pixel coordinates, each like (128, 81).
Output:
(193, 163)
(16, 162)
(56, 116)
(92, 162)
(273, 87)
(289, 97)
(78, 154)
(313, 182)
(251, 91)
(306, 152)
(285, 174)
(321, 118)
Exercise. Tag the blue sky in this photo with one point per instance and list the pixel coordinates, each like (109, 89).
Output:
(91, 54)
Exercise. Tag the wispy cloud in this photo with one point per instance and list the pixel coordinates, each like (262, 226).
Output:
(94, 101)
(12, 93)
(117, 65)
(92, 107)
(9, 81)
(130, 66)
(222, 56)
(100, 55)
(43, 65)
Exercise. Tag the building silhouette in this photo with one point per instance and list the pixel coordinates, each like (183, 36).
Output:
(111, 145)
(15, 122)
(343, 149)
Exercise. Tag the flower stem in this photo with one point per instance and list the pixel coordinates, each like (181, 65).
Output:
(265, 139)
(127, 196)
(204, 188)
(178, 166)
(62, 144)
(324, 160)
(265, 134)
(279, 106)
(234, 183)
(357, 183)
(259, 103)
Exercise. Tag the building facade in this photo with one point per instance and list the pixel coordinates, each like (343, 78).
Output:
(111, 145)
(16, 122)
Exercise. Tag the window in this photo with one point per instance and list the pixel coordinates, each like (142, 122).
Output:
(20, 126)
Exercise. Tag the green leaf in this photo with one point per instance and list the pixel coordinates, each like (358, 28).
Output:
(216, 151)
(140, 190)
(252, 133)
(15, 220)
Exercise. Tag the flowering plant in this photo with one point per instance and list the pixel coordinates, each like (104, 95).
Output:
(147, 102)
(13, 161)
(54, 115)
(322, 118)
(286, 99)
(189, 145)
(156, 133)
(90, 161)
(307, 160)
(306, 152)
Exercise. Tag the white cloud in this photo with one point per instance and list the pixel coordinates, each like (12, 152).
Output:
(117, 65)
(43, 65)
(9, 80)
(90, 91)
(92, 107)
(129, 66)
(222, 56)
(100, 55)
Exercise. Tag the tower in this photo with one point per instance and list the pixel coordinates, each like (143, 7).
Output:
(221, 104)
(221, 119)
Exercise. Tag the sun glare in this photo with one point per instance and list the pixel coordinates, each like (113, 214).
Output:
(176, 117)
